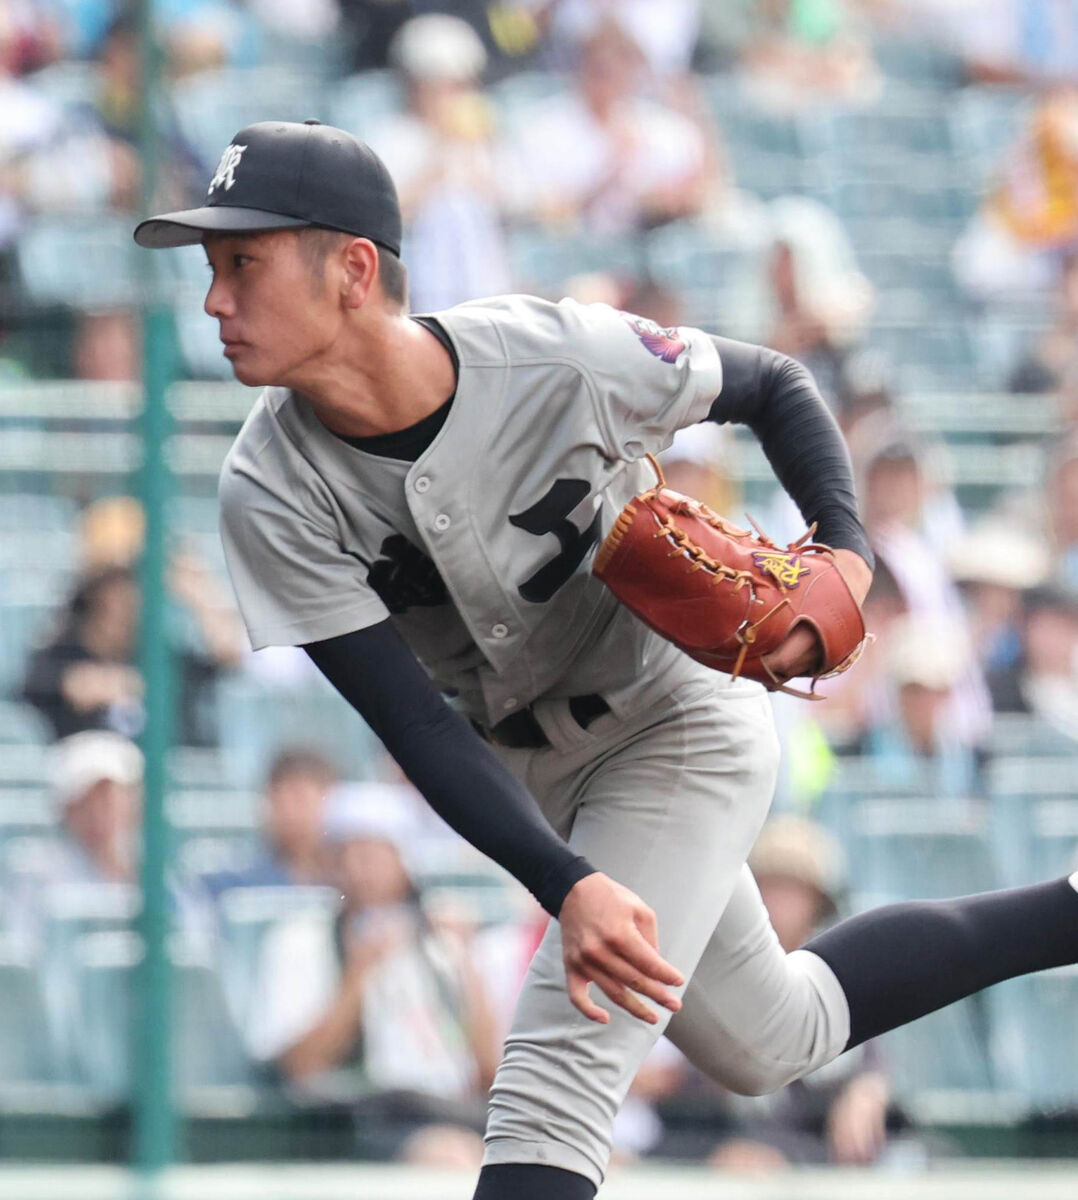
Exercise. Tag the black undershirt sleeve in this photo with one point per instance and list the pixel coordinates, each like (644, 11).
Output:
(458, 773)
(776, 397)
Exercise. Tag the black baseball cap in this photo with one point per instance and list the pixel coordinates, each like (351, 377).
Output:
(284, 175)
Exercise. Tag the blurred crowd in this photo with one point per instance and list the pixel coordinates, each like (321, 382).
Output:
(566, 147)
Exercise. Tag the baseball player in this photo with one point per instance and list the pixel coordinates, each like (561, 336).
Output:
(417, 500)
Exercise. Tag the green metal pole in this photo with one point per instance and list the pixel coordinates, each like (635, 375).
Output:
(154, 1124)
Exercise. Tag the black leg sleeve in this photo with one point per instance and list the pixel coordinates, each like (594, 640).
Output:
(523, 1181)
(903, 961)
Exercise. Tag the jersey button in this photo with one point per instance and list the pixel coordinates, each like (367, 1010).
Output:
(499, 630)
(442, 522)
(422, 484)
(510, 703)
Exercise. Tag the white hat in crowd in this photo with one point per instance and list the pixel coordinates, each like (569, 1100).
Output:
(82, 760)
(385, 811)
(933, 652)
(1002, 553)
(437, 46)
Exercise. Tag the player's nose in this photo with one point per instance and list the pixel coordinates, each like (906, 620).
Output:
(219, 302)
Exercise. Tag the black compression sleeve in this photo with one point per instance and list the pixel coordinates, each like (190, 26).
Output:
(776, 397)
(460, 776)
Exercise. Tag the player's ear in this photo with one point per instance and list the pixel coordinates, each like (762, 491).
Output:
(360, 270)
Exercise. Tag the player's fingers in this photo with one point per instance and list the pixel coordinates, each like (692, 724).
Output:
(645, 958)
(577, 986)
(624, 998)
(648, 924)
(628, 976)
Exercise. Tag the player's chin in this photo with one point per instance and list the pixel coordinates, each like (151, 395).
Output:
(246, 365)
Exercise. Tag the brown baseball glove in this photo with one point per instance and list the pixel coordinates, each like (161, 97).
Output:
(728, 596)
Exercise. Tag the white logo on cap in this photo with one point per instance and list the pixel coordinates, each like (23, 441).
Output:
(226, 168)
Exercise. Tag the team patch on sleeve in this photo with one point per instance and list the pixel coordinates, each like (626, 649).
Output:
(663, 343)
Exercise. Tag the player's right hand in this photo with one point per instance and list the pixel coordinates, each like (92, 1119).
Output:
(610, 938)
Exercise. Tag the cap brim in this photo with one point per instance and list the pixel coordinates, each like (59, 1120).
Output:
(186, 228)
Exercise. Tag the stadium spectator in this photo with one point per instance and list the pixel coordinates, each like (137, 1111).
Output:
(96, 784)
(1029, 43)
(440, 152)
(995, 564)
(793, 53)
(1044, 678)
(1053, 357)
(511, 31)
(293, 816)
(665, 30)
(912, 524)
(601, 157)
(1026, 229)
(856, 701)
(85, 677)
(917, 744)
(1061, 495)
(386, 998)
(810, 300)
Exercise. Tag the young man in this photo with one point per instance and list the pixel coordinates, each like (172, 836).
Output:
(431, 490)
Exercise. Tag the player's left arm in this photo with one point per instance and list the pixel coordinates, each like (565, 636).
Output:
(777, 398)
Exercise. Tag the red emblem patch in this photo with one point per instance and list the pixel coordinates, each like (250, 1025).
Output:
(663, 343)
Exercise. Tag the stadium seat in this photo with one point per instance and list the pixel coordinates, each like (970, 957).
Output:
(362, 103)
(211, 106)
(515, 95)
(21, 725)
(1024, 735)
(1034, 817)
(245, 917)
(79, 260)
(255, 722)
(920, 63)
(946, 1052)
(542, 261)
(1035, 1037)
(985, 120)
(25, 811)
(51, 513)
(27, 1051)
(207, 1049)
(902, 849)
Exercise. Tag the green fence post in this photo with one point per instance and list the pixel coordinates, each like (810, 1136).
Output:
(154, 1125)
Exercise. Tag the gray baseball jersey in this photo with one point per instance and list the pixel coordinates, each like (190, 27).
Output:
(481, 551)
(481, 548)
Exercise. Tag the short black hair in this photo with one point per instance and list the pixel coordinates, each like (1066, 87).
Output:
(394, 276)
(317, 243)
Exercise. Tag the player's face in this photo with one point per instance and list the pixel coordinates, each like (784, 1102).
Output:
(275, 321)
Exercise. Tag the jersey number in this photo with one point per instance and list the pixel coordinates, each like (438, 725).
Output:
(551, 515)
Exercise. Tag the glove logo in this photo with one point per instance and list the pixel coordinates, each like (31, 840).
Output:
(663, 343)
(786, 569)
(226, 168)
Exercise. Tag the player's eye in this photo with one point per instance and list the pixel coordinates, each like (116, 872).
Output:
(240, 260)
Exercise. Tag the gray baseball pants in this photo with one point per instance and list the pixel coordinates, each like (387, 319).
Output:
(667, 799)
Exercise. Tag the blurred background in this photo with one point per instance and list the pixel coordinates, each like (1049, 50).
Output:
(885, 189)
